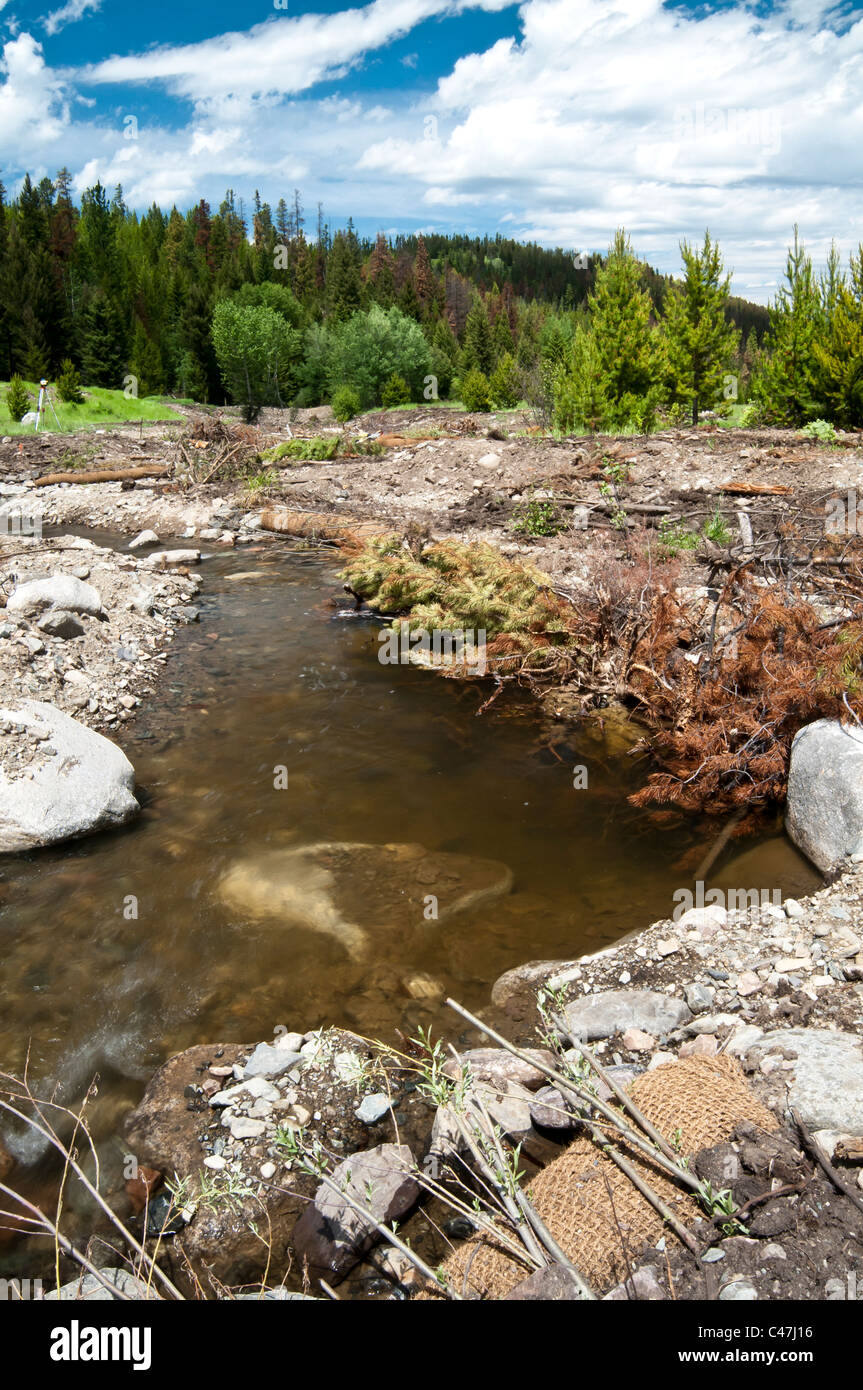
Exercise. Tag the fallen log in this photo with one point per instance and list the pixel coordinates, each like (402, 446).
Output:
(406, 441)
(757, 489)
(104, 475)
(325, 526)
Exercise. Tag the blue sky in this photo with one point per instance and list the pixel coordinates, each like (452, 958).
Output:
(550, 120)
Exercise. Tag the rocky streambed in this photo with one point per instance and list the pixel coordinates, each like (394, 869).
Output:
(219, 1144)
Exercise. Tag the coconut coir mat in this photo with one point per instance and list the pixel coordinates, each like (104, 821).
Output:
(597, 1216)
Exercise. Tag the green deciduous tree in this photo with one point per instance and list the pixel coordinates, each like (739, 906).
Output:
(370, 347)
(258, 354)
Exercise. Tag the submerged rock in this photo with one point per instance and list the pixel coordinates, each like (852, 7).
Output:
(824, 814)
(347, 890)
(69, 781)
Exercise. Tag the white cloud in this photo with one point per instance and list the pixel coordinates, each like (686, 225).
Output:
(285, 55)
(631, 113)
(600, 113)
(33, 100)
(69, 13)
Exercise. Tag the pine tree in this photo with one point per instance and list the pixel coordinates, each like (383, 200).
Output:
(380, 273)
(699, 339)
(63, 235)
(504, 383)
(145, 363)
(428, 290)
(786, 384)
(69, 383)
(344, 286)
(408, 301)
(620, 312)
(501, 337)
(578, 391)
(17, 398)
(103, 345)
(839, 354)
(477, 353)
(749, 361)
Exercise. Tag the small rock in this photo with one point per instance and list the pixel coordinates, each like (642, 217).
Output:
(332, 1235)
(707, 921)
(241, 1128)
(643, 1286)
(667, 947)
(553, 1284)
(144, 538)
(373, 1108)
(705, 1045)
(636, 1041)
(547, 1108)
(741, 1291)
(61, 591)
(58, 622)
(748, 983)
(743, 1039)
(88, 1289)
(699, 997)
(496, 1065)
(162, 559)
(270, 1060)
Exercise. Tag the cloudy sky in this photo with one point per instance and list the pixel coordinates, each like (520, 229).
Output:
(551, 120)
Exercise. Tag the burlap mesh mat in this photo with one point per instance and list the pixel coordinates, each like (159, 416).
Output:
(590, 1207)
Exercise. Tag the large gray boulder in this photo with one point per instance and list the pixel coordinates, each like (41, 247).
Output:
(824, 815)
(826, 1084)
(603, 1015)
(58, 779)
(59, 591)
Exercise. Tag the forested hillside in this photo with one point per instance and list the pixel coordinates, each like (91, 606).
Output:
(255, 306)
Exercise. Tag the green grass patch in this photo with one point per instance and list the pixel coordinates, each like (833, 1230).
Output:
(99, 409)
(318, 448)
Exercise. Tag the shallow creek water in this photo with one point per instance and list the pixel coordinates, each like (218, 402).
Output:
(270, 676)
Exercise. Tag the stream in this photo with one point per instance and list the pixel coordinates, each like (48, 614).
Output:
(118, 951)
